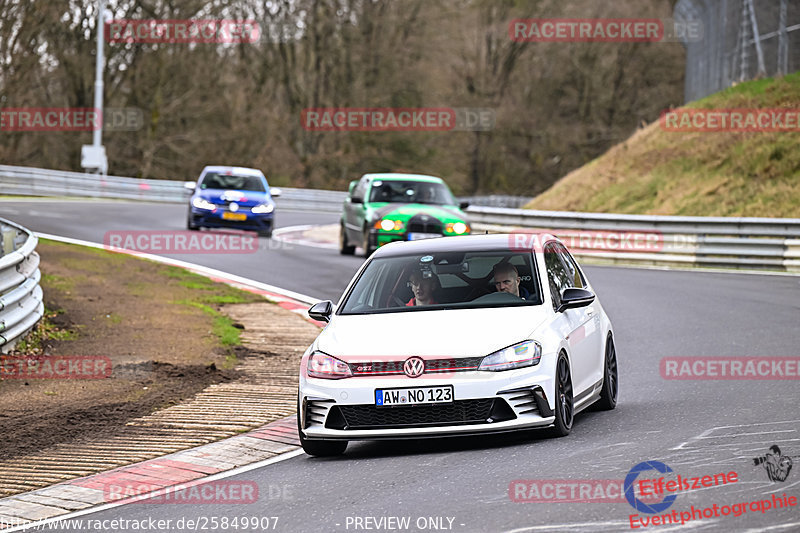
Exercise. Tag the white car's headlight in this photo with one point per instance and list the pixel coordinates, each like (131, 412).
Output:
(201, 203)
(520, 355)
(322, 365)
(263, 208)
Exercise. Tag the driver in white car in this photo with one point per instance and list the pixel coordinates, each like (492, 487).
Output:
(506, 279)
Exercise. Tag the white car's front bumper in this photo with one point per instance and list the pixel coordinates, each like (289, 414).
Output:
(483, 402)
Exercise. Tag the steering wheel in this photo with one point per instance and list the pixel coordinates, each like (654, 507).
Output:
(476, 292)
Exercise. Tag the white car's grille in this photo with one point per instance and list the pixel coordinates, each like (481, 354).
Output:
(382, 368)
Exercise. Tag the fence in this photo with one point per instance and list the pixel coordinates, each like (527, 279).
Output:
(728, 242)
(21, 304)
(741, 40)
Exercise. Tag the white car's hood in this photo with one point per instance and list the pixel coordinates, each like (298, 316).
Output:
(450, 333)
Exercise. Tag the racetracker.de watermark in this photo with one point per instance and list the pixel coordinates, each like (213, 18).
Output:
(220, 492)
(182, 31)
(592, 241)
(730, 368)
(71, 119)
(731, 120)
(397, 119)
(55, 367)
(570, 491)
(183, 241)
(563, 30)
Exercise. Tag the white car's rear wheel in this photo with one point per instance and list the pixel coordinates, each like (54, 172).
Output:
(565, 411)
(608, 394)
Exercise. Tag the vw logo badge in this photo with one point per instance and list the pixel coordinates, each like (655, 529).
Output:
(414, 367)
(234, 206)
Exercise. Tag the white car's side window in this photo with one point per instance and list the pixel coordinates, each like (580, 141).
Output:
(572, 268)
(557, 275)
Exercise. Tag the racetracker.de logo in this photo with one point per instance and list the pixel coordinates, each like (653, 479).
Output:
(182, 31)
(223, 492)
(592, 241)
(182, 242)
(397, 119)
(563, 30)
(70, 119)
(731, 120)
(736, 368)
(55, 367)
(570, 491)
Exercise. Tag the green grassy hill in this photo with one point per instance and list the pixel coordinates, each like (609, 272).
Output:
(698, 173)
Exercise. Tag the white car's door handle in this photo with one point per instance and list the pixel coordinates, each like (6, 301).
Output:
(590, 312)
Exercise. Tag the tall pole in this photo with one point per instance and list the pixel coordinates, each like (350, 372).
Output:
(98, 75)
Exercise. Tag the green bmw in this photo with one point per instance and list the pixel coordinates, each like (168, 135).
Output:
(382, 208)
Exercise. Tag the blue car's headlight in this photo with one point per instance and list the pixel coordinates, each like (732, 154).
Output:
(263, 208)
(201, 203)
(520, 355)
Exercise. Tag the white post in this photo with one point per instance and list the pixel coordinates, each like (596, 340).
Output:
(93, 156)
(98, 75)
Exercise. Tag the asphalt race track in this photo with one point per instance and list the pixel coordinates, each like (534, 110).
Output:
(700, 427)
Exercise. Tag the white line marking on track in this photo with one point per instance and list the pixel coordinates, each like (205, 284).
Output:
(212, 272)
(236, 471)
(208, 272)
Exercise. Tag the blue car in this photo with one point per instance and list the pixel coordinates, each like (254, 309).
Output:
(232, 197)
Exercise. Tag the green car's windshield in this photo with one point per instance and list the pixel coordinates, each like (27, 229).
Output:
(464, 280)
(216, 180)
(408, 192)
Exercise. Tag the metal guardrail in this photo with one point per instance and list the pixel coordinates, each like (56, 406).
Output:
(728, 242)
(28, 181)
(21, 304)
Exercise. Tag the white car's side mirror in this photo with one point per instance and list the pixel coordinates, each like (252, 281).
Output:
(275, 192)
(190, 185)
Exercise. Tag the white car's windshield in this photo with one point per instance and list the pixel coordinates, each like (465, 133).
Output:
(444, 280)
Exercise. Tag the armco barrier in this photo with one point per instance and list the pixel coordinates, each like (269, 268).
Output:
(727, 242)
(28, 181)
(21, 304)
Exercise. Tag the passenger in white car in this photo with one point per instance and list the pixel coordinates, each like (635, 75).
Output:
(423, 288)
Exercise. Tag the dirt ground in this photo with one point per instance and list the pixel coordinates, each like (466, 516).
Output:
(156, 324)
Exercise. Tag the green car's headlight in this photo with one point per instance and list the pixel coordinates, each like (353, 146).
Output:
(387, 224)
(456, 228)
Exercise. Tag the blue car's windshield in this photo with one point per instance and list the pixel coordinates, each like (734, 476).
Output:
(444, 280)
(216, 180)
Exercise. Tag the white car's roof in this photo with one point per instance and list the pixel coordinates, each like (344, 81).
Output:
(467, 243)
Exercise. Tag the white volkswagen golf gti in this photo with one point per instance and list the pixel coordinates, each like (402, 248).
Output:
(458, 336)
